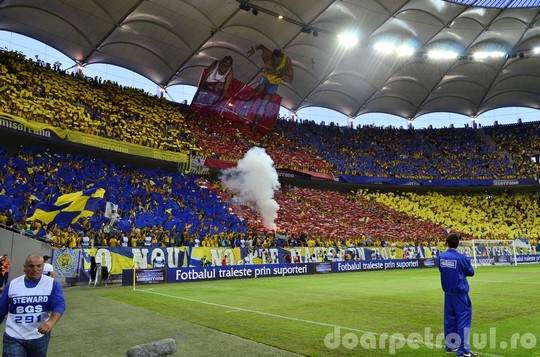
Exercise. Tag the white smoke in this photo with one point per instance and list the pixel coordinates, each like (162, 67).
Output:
(254, 180)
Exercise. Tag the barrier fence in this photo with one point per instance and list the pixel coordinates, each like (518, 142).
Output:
(203, 263)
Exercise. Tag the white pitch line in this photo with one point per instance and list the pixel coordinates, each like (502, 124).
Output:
(239, 309)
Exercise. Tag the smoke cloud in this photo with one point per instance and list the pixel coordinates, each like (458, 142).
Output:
(254, 180)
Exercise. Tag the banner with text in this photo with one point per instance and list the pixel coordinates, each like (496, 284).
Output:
(229, 272)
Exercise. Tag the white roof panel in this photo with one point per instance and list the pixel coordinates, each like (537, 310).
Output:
(171, 41)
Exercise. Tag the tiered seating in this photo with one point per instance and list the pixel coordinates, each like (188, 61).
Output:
(166, 205)
(431, 154)
(42, 94)
(224, 140)
(149, 206)
(519, 141)
(479, 216)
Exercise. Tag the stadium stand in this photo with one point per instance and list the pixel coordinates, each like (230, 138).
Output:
(177, 209)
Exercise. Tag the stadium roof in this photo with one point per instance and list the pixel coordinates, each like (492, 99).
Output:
(171, 41)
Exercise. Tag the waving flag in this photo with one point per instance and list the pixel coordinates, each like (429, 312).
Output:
(69, 208)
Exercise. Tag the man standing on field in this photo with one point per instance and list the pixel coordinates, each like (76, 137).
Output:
(455, 268)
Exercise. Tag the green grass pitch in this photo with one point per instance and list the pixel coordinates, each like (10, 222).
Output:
(379, 313)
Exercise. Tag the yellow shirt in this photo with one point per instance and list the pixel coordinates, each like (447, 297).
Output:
(273, 78)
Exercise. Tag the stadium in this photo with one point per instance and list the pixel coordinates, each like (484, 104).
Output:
(279, 235)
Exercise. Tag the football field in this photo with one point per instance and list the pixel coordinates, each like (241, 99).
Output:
(378, 313)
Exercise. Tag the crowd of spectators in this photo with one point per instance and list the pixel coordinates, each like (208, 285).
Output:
(173, 209)
(228, 141)
(520, 142)
(502, 216)
(45, 93)
(329, 218)
(425, 154)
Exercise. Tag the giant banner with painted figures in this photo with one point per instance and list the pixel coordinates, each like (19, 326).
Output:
(239, 103)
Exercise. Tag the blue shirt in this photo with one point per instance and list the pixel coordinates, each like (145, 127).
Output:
(455, 268)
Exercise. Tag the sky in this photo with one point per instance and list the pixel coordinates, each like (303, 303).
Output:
(179, 93)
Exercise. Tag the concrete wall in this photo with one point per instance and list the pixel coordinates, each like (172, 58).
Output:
(18, 247)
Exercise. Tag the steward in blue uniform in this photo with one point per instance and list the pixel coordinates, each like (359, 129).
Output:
(455, 268)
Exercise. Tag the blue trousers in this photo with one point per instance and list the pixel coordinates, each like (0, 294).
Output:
(14, 347)
(457, 322)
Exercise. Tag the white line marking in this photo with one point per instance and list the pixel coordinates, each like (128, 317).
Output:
(503, 282)
(239, 309)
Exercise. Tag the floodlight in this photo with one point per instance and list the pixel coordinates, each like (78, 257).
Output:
(384, 47)
(442, 54)
(348, 39)
(404, 50)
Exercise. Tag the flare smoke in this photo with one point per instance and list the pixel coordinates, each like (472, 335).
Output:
(255, 180)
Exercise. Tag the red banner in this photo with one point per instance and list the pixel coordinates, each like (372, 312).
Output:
(218, 164)
(238, 103)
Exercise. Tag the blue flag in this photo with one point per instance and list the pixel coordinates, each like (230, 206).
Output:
(70, 207)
